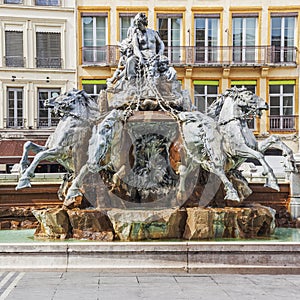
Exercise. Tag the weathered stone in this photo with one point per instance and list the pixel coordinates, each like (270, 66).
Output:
(27, 224)
(229, 222)
(91, 224)
(53, 223)
(199, 224)
(5, 224)
(135, 225)
(14, 224)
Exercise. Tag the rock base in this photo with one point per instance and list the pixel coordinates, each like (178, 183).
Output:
(135, 225)
(228, 222)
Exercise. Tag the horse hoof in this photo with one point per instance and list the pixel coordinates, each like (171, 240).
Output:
(72, 202)
(232, 196)
(23, 183)
(272, 185)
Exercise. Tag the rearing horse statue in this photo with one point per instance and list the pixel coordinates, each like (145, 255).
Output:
(221, 140)
(78, 112)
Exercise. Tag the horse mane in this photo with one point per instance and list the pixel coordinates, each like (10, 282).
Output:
(215, 108)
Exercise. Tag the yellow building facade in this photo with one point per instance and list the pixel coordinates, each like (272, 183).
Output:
(213, 45)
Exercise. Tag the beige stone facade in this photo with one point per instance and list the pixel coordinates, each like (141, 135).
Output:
(213, 45)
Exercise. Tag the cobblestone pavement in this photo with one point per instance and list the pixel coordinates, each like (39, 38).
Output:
(94, 285)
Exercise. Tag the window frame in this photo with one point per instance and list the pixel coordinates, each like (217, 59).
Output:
(17, 122)
(51, 121)
(206, 95)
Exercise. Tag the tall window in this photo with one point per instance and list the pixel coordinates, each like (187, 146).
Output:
(15, 107)
(47, 2)
(283, 32)
(14, 49)
(126, 20)
(94, 38)
(282, 101)
(206, 37)
(45, 118)
(244, 38)
(48, 50)
(251, 86)
(169, 28)
(205, 92)
(94, 86)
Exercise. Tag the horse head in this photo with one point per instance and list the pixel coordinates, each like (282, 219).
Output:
(71, 103)
(250, 103)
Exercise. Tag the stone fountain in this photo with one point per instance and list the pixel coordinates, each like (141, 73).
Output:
(143, 163)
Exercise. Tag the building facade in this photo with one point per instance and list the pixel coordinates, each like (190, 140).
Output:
(213, 45)
(50, 46)
(37, 61)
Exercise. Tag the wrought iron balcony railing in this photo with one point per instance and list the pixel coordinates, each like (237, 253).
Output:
(14, 61)
(203, 56)
(102, 55)
(13, 1)
(14, 122)
(48, 2)
(283, 123)
(46, 122)
(49, 62)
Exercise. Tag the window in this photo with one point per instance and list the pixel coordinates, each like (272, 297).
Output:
(206, 37)
(282, 101)
(126, 20)
(15, 107)
(14, 49)
(169, 28)
(44, 113)
(47, 2)
(13, 1)
(244, 38)
(94, 37)
(93, 86)
(283, 32)
(48, 49)
(205, 92)
(251, 86)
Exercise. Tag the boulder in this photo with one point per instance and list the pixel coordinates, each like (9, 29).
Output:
(91, 224)
(229, 222)
(53, 223)
(136, 225)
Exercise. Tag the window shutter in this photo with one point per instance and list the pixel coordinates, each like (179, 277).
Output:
(14, 49)
(48, 49)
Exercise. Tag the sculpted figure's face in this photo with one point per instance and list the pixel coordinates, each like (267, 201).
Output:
(141, 26)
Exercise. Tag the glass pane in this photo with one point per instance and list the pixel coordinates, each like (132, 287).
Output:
(200, 103)
(199, 89)
(274, 89)
(287, 111)
(288, 100)
(125, 23)
(87, 23)
(163, 30)
(237, 31)
(274, 111)
(288, 89)
(274, 101)
(89, 88)
(100, 31)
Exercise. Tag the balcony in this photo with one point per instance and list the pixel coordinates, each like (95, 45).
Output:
(283, 123)
(47, 2)
(15, 122)
(13, 1)
(101, 55)
(14, 61)
(252, 56)
(49, 62)
(46, 122)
